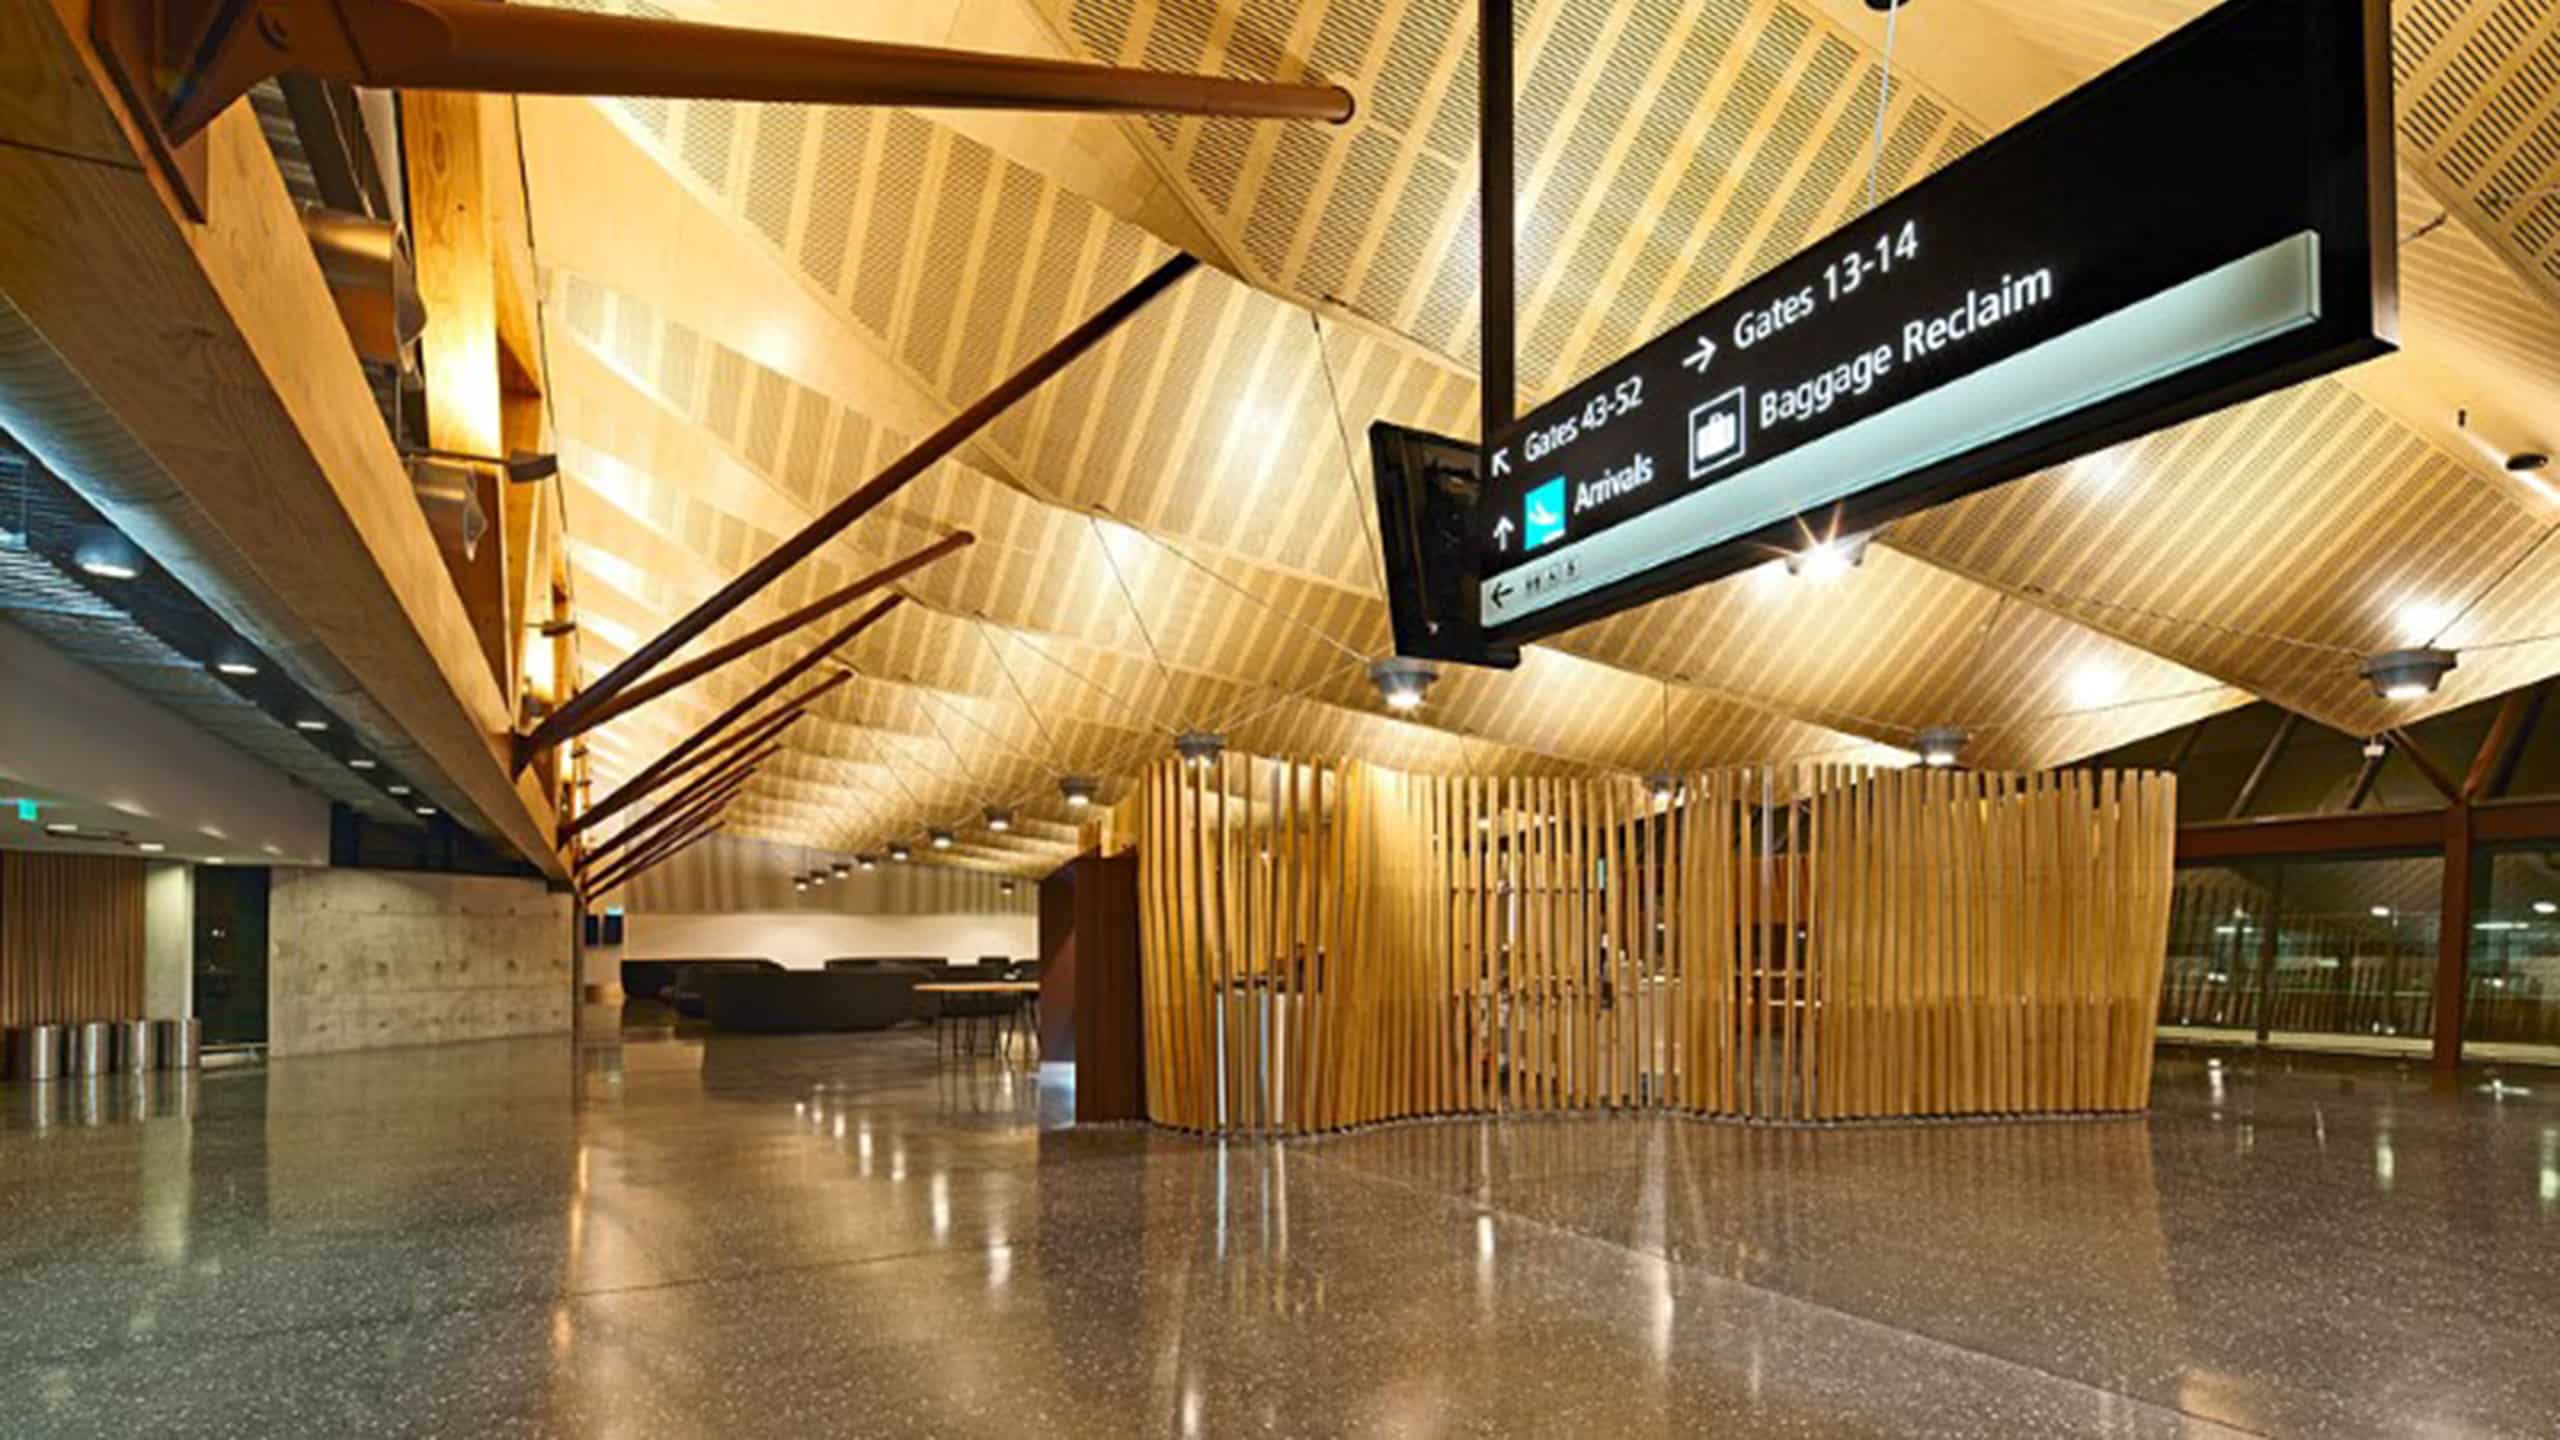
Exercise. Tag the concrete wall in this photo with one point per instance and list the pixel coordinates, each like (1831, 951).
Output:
(169, 941)
(807, 941)
(366, 959)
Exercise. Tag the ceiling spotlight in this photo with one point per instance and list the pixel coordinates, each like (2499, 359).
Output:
(236, 669)
(1402, 683)
(2408, 674)
(866, 862)
(213, 859)
(1004, 887)
(108, 569)
(1829, 559)
(426, 809)
(799, 882)
(941, 838)
(900, 852)
(1200, 748)
(1079, 790)
(2546, 907)
(62, 827)
(149, 847)
(999, 819)
(840, 869)
(818, 876)
(397, 789)
(2375, 747)
(1940, 745)
(1664, 785)
(2381, 912)
(310, 727)
(360, 762)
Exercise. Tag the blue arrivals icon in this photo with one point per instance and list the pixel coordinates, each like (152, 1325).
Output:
(1544, 515)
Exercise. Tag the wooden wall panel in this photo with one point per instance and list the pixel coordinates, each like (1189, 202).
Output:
(71, 944)
(1329, 944)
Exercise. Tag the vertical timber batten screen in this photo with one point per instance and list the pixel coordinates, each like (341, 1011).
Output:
(71, 938)
(1329, 944)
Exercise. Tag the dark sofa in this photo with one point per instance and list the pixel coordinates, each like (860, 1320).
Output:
(689, 991)
(860, 998)
(649, 979)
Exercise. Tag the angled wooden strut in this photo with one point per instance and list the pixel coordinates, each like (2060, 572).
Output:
(639, 784)
(606, 884)
(880, 487)
(182, 62)
(771, 726)
(596, 706)
(712, 811)
(718, 785)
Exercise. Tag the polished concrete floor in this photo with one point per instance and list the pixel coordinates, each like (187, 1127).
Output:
(841, 1236)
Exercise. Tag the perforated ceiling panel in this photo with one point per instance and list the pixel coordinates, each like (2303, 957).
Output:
(1175, 530)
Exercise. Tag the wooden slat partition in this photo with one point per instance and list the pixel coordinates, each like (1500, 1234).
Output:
(1331, 944)
(71, 944)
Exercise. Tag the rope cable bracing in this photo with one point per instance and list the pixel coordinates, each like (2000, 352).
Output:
(1104, 542)
(1350, 465)
(1002, 745)
(1884, 97)
(1144, 719)
(1185, 557)
(2491, 587)
(2044, 595)
(1057, 756)
(967, 777)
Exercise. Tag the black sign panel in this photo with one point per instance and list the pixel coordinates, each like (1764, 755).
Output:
(2205, 223)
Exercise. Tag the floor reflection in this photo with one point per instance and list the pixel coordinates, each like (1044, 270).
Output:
(659, 1232)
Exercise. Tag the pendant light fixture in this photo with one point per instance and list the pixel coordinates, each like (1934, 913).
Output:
(1402, 683)
(1941, 745)
(1200, 748)
(2408, 674)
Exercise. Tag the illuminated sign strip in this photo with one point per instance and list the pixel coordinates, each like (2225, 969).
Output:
(2249, 300)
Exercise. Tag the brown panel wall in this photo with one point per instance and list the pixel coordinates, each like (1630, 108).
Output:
(1058, 965)
(1111, 1050)
(70, 938)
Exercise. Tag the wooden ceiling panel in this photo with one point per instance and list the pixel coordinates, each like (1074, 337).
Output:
(763, 304)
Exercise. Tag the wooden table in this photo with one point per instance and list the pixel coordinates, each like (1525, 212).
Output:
(939, 988)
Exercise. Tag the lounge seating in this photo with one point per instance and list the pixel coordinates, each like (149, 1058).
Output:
(686, 991)
(862, 998)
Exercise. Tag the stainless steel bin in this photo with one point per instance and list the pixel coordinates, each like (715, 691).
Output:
(137, 1046)
(180, 1045)
(90, 1049)
(35, 1053)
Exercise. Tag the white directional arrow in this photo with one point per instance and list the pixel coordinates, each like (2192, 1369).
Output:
(1502, 533)
(1699, 358)
(1502, 461)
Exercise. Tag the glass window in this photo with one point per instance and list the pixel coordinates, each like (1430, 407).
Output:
(2357, 950)
(2215, 941)
(2513, 998)
(2350, 961)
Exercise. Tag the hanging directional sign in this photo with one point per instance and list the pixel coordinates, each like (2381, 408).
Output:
(2205, 223)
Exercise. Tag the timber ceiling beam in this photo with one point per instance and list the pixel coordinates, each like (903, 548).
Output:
(230, 368)
(180, 63)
